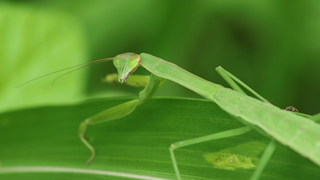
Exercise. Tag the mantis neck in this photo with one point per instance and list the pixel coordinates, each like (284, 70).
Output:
(174, 73)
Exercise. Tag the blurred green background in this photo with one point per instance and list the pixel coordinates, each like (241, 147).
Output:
(273, 46)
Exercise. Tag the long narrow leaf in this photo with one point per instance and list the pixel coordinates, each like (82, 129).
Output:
(42, 143)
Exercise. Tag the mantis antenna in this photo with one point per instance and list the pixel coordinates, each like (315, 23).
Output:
(79, 65)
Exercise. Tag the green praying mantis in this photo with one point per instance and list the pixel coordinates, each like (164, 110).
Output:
(300, 133)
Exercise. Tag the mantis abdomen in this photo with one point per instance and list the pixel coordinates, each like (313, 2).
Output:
(299, 133)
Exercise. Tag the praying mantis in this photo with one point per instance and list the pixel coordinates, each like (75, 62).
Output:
(302, 134)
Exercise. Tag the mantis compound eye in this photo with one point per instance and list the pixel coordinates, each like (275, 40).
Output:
(126, 64)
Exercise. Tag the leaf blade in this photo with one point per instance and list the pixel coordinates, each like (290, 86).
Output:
(137, 144)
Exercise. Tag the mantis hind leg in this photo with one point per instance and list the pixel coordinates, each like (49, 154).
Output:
(264, 160)
(224, 134)
(120, 111)
(231, 80)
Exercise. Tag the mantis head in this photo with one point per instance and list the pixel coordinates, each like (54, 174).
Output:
(126, 64)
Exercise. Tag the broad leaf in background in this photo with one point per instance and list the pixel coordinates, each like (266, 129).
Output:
(47, 141)
(34, 42)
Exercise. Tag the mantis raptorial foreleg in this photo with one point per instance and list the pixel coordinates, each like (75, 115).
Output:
(231, 79)
(133, 80)
(121, 110)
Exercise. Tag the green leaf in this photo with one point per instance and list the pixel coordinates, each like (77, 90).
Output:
(46, 139)
(35, 42)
